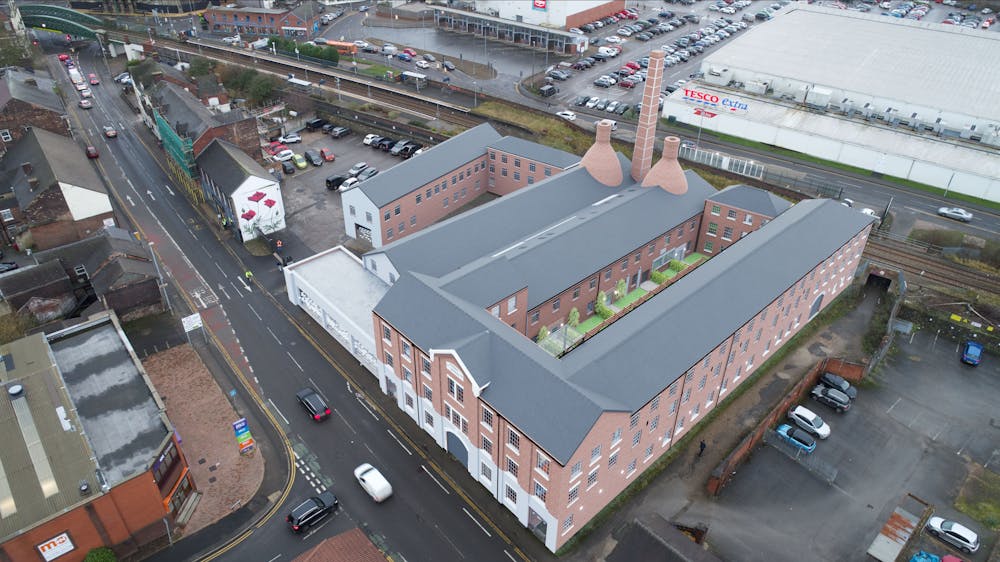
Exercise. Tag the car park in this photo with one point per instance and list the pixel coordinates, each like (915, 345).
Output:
(274, 148)
(338, 132)
(385, 144)
(349, 183)
(611, 106)
(398, 147)
(567, 115)
(594, 101)
(958, 535)
(422, 64)
(314, 404)
(287, 167)
(367, 173)
(299, 161)
(310, 512)
(357, 169)
(581, 101)
(838, 382)
(972, 353)
(373, 482)
(809, 421)
(796, 437)
(313, 157)
(955, 213)
(831, 397)
(623, 108)
(290, 138)
(369, 138)
(411, 149)
(284, 155)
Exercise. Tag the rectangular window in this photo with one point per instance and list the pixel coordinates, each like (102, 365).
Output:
(487, 417)
(576, 293)
(406, 350)
(568, 523)
(574, 493)
(388, 359)
(612, 460)
(607, 275)
(503, 172)
(713, 228)
(616, 437)
(555, 305)
(425, 365)
(531, 166)
(389, 233)
(513, 439)
(543, 464)
(387, 215)
(428, 193)
(409, 401)
(649, 451)
(593, 283)
(624, 264)
(511, 466)
(540, 491)
(511, 304)
(396, 211)
(701, 383)
(407, 374)
(352, 210)
(429, 419)
(534, 317)
(731, 215)
(420, 198)
(631, 467)
(634, 420)
(595, 453)
(592, 477)
(727, 233)
(577, 469)
(428, 393)
(503, 158)
(653, 423)
(511, 494)
(548, 172)
(716, 210)
(387, 335)
(486, 471)
(517, 175)
(655, 403)
(636, 438)
(687, 395)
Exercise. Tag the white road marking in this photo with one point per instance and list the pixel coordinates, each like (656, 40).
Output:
(477, 522)
(348, 424)
(250, 306)
(275, 558)
(893, 405)
(170, 191)
(435, 480)
(296, 362)
(510, 556)
(370, 449)
(129, 199)
(279, 413)
(273, 335)
(391, 434)
(220, 268)
(318, 391)
(149, 193)
(361, 401)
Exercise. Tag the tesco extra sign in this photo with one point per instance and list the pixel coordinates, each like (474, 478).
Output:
(55, 547)
(730, 105)
(538, 4)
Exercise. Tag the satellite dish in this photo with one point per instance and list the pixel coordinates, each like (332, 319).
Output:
(15, 390)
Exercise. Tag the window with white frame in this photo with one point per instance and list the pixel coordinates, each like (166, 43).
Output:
(488, 417)
(388, 359)
(616, 437)
(407, 374)
(633, 421)
(540, 491)
(387, 335)
(487, 445)
(653, 423)
(543, 464)
(655, 403)
(567, 523)
(592, 477)
(511, 466)
(612, 459)
(455, 390)
(513, 439)
(511, 304)
(649, 452)
(406, 350)
(428, 393)
(636, 438)
(595, 454)
(576, 470)
(425, 366)
(429, 419)
(631, 467)
(748, 219)
(486, 471)
(574, 494)
(511, 494)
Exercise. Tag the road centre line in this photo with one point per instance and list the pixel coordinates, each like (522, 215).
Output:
(478, 524)
(273, 335)
(436, 481)
(250, 306)
(398, 441)
(318, 390)
(294, 361)
(345, 421)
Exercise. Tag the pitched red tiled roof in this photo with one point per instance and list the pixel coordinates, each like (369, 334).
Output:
(352, 546)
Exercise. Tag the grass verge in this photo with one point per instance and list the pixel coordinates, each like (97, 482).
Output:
(979, 497)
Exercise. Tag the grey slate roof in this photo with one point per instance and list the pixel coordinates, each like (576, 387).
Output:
(535, 151)
(54, 158)
(752, 199)
(42, 93)
(112, 257)
(402, 178)
(29, 278)
(611, 371)
(228, 166)
(185, 113)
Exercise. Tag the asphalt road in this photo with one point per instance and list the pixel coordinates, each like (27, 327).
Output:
(424, 520)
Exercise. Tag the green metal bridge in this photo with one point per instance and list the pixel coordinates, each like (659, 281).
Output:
(58, 18)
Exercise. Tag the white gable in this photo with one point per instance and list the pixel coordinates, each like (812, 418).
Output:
(84, 203)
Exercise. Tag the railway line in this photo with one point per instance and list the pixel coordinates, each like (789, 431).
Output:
(933, 268)
(335, 79)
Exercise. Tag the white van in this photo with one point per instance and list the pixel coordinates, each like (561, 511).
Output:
(389, 49)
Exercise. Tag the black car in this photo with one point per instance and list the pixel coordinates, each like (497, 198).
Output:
(288, 167)
(333, 182)
(313, 403)
(448, 65)
(313, 157)
(599, 57)
(328, 127)
(409, 149)
(385, 143)
(367, 173)
(315, 124)
(622, 108)
(338, 132)
(581, 101)
(7, 266)
(311, 511)
(831, 380)
(398, 147)
(832, 398)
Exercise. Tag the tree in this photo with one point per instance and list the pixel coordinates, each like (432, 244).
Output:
(574, 317)
(260, 89)
(620, 288)
(200, 66)
(543, 333)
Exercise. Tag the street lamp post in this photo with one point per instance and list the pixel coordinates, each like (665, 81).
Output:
(475, 97)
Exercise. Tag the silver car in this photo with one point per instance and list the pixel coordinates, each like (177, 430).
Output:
(954, 533)
(955, 213)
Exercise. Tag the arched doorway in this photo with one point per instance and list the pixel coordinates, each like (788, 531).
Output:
(457, 449)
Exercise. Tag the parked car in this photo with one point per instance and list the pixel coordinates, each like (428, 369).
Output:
(314, 404)
(448, 65)
(299, 161)
(284, 155)
(384, 143)
(954, 533)
(411, 149)
(796, 437)
(349, 183)
(288, 167)
(313, 157)
(581, 101)
(972, 353)
(338, 132)
(428, 57)
(369, 138)
(327, 154)
(357, 169)
(333, 182)
(831, 397)
(367, 173)
(7, 266)
(955, 213)
(398, 147)
(373, 482)
(311, 511)
(567, 115)
(831, 380)
(422, 64)
(809, 421)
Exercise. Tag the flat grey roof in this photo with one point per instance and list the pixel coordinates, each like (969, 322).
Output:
(414, 172)
(121, 416)
(42, 462)
(883, 56)
(535, 151)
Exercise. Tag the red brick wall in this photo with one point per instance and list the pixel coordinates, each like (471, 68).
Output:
(65, 230)
(514, 173)
(720, 215)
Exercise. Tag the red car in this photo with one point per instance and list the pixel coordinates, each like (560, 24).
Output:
(327, 154)
(627, 84)
(275, 147)
(63, 57)
(93, 79)
(410, 52)
(92, 152)
(633, 65)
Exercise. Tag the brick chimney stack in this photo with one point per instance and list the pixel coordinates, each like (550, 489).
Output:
(645, 132)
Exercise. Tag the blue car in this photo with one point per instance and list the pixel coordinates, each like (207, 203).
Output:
(797, 437)
(404, 57)
(972, 353)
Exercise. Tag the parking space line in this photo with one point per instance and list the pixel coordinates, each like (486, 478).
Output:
(893, 405)
(915, 418)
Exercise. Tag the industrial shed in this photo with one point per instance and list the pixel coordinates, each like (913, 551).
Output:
(901, 97)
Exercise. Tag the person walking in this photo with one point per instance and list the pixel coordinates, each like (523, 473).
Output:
(248, 275)
(701, 448)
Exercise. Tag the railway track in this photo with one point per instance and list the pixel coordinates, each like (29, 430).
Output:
(348, 83)
(936, 269)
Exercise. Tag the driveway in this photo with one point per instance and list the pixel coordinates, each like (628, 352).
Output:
(913, 429)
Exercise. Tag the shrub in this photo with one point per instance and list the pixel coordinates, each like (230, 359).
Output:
(676, 265)
(542, 334)
(657, 277)
(101, 554)
(621, 288)
(574, 317)
(602, 310)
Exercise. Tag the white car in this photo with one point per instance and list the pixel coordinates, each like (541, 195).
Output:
(957, 534)
(955, 213)
(231, 40)
(423, 64)
(369, 138)
(593, 102)
(284, 155)
(349, 183)
(567, 115)
(361, 44)
(613, 39)
(373, 482)
(290, 138)
(809, 421)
